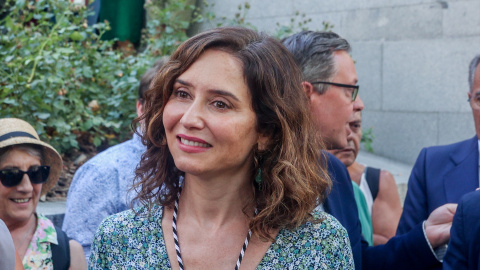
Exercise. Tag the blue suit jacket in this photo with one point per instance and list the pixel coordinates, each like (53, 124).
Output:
(442, 174)
(464, 248)
(409, 251)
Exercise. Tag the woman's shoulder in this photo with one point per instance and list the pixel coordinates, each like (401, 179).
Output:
(321, 243)
(140, 218)
(320, 227)
(129, 240)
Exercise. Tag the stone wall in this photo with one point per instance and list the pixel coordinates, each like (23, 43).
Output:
(412, 60)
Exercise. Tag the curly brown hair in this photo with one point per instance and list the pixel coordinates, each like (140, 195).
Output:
(294, 180)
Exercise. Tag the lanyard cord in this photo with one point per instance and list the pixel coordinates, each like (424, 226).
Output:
(177, 244)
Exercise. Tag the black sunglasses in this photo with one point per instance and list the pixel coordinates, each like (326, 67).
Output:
(354, 87)
(13, 177)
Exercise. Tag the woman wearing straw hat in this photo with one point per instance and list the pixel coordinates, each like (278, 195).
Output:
(28, 169)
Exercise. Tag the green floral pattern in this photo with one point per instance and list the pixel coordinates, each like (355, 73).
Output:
(39, 252)
(129, 241)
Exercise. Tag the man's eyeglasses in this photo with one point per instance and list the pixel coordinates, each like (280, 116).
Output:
(13, 177)
(350, 86)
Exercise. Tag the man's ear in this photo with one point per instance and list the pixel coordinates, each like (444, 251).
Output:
(469, 95)
(308, 89)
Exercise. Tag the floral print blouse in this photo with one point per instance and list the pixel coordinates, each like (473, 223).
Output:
(39, 252)
(129, 241)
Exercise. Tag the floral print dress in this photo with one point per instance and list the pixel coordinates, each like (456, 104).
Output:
(39, 252)
(129, 241)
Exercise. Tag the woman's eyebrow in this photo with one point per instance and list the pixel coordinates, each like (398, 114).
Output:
(212, 91)
(223, 93)
(183, 82)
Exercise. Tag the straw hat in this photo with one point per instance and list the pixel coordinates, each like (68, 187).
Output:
(15, 131)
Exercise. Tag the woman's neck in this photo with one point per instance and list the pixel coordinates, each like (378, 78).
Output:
(22, 233)
(213, 202)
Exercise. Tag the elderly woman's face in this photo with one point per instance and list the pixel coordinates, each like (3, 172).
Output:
(209, 121)
(18, 203)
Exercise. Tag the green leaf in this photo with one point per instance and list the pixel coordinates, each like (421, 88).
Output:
(20, 3)
(65, 50)
(42, 116)
(9, 101)
(97, 141)
(87, 72)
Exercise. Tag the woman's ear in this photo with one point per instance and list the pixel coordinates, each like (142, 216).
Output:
(263, 142)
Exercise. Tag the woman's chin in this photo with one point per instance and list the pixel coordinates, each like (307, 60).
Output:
(21, 216)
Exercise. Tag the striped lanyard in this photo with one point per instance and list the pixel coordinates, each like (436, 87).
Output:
(177, 244)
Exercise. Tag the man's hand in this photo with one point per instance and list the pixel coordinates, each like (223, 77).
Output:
(438, 224)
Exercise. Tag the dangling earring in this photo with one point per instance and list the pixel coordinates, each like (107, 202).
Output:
(258, 179)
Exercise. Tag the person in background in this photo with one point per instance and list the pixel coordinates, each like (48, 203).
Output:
(100, 187)
(330, 83)
(229, 138)
(443, 174)
(7, 249)
(464, 247)
(28, 169)
(378, 187)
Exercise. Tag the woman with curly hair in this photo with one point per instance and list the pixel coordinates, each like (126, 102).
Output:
(231, 174)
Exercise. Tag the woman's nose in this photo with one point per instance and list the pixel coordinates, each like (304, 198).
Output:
(25, 185)
(193, 117)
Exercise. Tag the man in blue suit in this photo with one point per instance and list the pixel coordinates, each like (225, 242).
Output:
(330, 82)
(464, 248)
(443, 174)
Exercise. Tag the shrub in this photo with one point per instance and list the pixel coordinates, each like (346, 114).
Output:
(71, 86)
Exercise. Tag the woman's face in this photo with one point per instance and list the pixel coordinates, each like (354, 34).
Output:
(18, 203)
(209, 122)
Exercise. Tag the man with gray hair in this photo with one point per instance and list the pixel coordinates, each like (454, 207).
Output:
(330, 82)
(443, 174)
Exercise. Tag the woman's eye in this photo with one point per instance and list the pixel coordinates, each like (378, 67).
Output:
(220, 104)
(34, 168)
(181, 94)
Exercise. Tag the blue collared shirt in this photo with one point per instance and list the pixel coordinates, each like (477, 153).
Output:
(100, 188)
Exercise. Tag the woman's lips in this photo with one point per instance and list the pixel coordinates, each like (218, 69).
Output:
(20, 200)
(193, 141)
(192, 144)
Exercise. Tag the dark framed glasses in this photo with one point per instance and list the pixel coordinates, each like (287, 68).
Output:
(354, 88)
(13, 177)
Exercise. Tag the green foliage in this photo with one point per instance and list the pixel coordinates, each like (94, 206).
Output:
(168, 23)
(367, 139)
(74, 88)
(298, 23)
(71, 86)
(239, 18)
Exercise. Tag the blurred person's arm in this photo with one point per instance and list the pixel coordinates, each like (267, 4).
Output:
(386, 209)
(77, 257)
